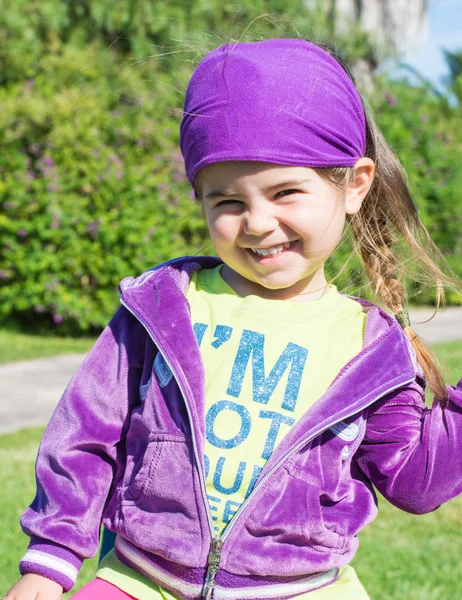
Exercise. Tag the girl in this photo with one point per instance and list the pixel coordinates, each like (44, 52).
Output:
(231, 420)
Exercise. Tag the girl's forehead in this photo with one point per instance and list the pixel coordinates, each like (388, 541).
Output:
(229, 171)
(246, 177)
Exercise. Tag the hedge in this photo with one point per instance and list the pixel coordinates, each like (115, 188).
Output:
(92, 187)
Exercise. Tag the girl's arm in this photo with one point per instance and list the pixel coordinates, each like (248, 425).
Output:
(413, 454)
(82, 453)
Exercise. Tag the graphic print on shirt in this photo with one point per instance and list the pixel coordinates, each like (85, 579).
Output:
(251, 405)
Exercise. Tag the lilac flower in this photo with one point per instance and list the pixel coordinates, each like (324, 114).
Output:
(22, 232)
(30, 175)
(50, 286)
(93, 228)
(58, 319)
(150, 232)
(392, 100)
(178, 176)
(47, 160)
(11, 204)
(3, 275)
(39, 309)
(52, 187)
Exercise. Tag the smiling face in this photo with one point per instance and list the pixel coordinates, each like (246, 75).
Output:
(274, 226)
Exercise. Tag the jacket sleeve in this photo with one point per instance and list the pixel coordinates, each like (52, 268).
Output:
(413, 454)
(79, 456)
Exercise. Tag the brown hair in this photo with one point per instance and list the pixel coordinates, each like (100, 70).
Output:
(391, 240)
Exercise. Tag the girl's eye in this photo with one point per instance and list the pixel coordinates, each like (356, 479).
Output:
(287, 193)
(228, 202)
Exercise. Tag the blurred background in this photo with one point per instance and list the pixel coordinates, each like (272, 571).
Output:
(92, 187)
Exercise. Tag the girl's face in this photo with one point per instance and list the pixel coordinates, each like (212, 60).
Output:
(274, 226)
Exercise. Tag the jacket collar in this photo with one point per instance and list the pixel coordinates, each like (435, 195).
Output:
(157, 299)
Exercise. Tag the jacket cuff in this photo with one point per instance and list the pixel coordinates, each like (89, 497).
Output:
(455, 393)
(52, 561)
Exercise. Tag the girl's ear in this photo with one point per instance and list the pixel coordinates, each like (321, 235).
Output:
(359, 184)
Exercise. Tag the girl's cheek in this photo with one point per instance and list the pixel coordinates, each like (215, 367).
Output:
(220, 229)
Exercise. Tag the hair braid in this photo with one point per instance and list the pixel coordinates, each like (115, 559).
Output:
(392, 241)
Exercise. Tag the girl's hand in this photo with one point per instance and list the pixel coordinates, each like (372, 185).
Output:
(34, 587)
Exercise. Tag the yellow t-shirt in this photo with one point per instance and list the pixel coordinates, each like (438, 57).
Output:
(266, 362)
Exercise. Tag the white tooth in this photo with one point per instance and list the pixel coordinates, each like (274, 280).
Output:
(270, 251)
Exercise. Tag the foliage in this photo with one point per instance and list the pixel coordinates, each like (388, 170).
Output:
(92, 187)
(138, 28)
(425, 132)
(427, 136)
(92, 181)
(454, 79)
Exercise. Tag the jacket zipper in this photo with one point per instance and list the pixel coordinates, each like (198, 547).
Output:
(213, 567)
(214, 556)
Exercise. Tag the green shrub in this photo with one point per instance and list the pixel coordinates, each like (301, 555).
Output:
(92, 187)
(427, 136)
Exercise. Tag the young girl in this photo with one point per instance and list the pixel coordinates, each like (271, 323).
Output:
(231, 420)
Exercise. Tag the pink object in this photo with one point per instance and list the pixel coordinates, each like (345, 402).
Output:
(98, 589)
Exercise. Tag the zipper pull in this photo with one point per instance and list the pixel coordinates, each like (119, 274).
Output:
(212, 568)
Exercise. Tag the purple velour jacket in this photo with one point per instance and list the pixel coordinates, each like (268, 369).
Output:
(125, 447)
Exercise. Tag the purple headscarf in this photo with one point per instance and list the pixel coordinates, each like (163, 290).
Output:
(283, 101)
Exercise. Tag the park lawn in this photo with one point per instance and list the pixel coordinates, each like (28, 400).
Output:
(450, 358)
(21, 346)
(401, 556)
(17, 460)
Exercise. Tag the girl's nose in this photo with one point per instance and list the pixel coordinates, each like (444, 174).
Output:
(258, 221)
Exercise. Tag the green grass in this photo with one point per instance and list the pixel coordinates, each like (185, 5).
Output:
(17, 460)
(401, 556)
(412, 557)
(450, 357)
(21, 346)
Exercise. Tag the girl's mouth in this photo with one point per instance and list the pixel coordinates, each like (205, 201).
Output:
(271, 252)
